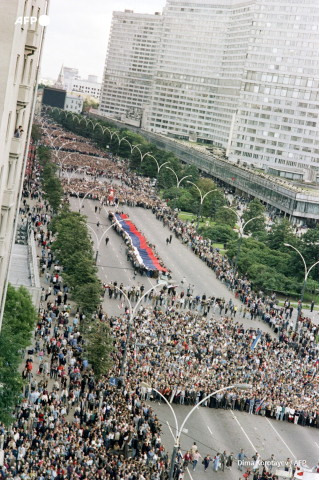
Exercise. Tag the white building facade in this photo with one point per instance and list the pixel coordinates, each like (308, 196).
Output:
(89, 86)
(199, 69)
(130, 63)
(277, 119)
(241, 74)
(73, 103)
(20, 47)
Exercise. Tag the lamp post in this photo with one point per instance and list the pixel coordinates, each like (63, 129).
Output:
(307, 271)
(142, 158)
(132, 313)
(119, 140)
(60, 163)
(98, 240)
(78, 195)
(73, 173)
(241, 231)
(158, 169)
(111, 135)
(132, 148)
(202, 198)
(178, 182)
(179, 431)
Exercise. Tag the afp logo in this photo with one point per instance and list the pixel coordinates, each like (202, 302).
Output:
(44, 20)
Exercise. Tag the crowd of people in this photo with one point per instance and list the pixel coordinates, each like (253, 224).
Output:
(133, 255)
(183, 346)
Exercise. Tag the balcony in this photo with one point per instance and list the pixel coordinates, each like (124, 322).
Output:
(31, 43)
(16, 147)
(24, 95)
(7, 199)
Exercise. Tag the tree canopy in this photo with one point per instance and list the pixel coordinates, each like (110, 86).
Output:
(18, 323)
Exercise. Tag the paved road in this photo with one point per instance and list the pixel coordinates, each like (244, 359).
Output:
(218, 430)
(113, 265)
(214, 430)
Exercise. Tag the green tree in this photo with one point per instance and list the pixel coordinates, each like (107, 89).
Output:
(281, 232)
(79, 269)
(255, 209)
(53, 192)
(87, 296)
(36, 132)
(219, 233)
(18, 323)
(192, 170)
(72, 237)
(88, 103)
(44, 154)
(99, 348)
(224, 216)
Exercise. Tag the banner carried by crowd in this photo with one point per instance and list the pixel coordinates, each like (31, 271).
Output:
(144, 253)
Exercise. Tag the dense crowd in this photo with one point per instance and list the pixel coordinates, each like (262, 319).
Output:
(183, 346)
(132, 253)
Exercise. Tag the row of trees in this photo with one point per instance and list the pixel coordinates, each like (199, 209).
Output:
(52, 187)
(18, 323)
(73, 248)
(106, 141)
(281, 269)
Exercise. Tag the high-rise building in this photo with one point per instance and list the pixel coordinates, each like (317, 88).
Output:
(199, 69)
(130, 63)
(20, 46)
(241, 74)
(277, 119)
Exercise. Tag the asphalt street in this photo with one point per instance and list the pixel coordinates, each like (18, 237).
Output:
(213, 430)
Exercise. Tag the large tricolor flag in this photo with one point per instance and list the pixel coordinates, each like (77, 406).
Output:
(145, 253)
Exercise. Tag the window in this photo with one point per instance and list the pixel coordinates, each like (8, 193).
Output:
(24, 12)
(24, 68)
(16, 69)
(30, 71)
(8, 125)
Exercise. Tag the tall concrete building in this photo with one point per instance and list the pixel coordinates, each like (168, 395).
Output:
(277, 120)
(197, 81)
(20, 46)
(241, 74)
(130, 64)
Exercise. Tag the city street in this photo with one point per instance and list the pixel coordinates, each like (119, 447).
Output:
(113, 265)
(213, 430)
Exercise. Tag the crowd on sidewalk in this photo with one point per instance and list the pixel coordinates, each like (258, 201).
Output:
(182, 345)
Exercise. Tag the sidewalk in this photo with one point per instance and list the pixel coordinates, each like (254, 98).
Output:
(36, 358)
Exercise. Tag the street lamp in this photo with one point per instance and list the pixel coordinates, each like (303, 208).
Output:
(111, 135)
(304, 283)
(78, 195)
(202, 198)
(132, 314)
(158, 169)
(60, 163)
(179, 431)
(119, 140)
(73, 173)
(241, 231)
(178, 182)
(99, 240)
(142, 158)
